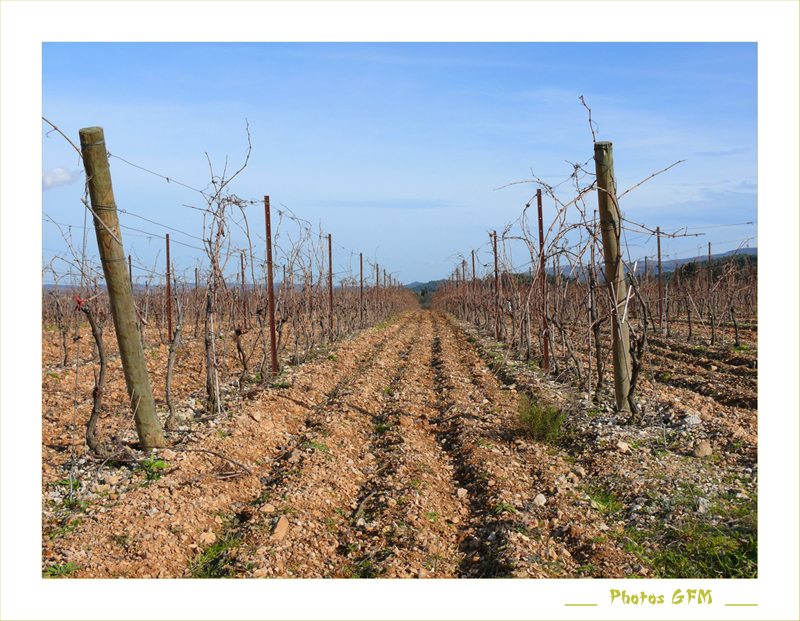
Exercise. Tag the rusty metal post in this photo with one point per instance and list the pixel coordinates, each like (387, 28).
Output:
(543, 275)
(244, 297)
(271, 292)
(330, 287)
(496, 291)
(660, 285)
(361, 289)
(169, 295)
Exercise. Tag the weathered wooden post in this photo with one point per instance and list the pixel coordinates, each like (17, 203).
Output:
(271, 293)
(118, 282)
(615, 277)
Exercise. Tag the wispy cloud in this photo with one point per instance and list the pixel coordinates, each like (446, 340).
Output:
(59, 176)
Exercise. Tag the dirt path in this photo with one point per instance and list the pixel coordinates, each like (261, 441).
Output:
(399, 455)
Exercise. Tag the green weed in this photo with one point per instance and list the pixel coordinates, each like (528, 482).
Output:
(539, 421)
(60, 571)
(216, 561)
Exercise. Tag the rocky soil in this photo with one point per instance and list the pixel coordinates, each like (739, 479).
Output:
(399, 453)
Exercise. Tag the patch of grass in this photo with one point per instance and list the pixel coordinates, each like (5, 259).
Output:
(332, 357)
(282, 385)
(60, 571)
(702, 550)
(65, 482)
(217, 561)
(605, 499)
(664, 376)
(317, 445)
(381, 427)
(330, 524)
(539, 421)
(70, 526)
(697, 548)
(432, 516)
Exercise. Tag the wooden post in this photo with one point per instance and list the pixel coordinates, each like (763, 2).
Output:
(118, 283)
(615, 277)
(271, 293)
(543, 274)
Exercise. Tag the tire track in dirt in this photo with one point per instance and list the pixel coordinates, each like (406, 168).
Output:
(307, 522)
(511, 533)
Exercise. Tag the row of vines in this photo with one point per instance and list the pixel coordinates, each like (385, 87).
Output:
(555, 308)
(240, 313)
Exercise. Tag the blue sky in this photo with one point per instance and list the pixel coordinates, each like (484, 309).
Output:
(399, 149)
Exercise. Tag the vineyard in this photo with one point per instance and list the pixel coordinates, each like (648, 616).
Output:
(572, 414)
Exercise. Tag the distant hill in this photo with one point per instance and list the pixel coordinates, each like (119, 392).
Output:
(431, 285)
(667, 266)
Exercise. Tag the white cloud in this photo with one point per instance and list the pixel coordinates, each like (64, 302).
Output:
(59, 176)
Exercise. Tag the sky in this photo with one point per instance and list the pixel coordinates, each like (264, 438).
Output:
(399, 151)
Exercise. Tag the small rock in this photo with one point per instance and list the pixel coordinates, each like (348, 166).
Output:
(295, 456)
(692, 419)
(260, 573)
(540, 500)
(361, 522)
(623, 447)
(461, 492)
(369, 457)
(580, 471)
(703, 505)
(703, 449)
(267, 508)
(281, 528)
(207, 538)
(168, 454)
(405, 421)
